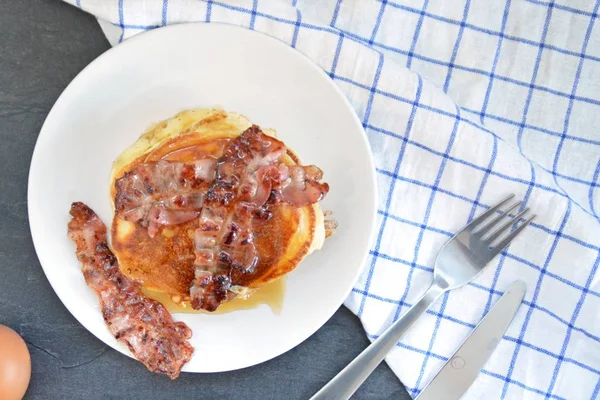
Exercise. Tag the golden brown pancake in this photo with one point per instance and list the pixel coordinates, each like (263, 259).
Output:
(164, 263)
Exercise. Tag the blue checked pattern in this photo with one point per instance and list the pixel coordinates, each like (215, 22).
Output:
(462, 104)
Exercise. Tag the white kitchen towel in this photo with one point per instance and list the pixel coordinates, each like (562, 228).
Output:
(463, 102)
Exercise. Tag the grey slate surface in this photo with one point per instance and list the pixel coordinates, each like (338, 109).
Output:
(43, 45)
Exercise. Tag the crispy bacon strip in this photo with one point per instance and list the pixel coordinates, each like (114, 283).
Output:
(251, 168)
(223, 241)
(143, 324)
(163, 193)
(302, 186)
(248, 174)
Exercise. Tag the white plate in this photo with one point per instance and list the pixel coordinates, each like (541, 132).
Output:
(157, 74)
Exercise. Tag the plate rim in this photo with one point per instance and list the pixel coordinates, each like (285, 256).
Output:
(146, 36)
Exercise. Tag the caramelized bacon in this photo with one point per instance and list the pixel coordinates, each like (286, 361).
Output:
(163, 193)
(144, 325)
(223, 241)
(244, 180)
(211, 281)
(303, 186)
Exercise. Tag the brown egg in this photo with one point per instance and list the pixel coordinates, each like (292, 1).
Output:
(15, 365)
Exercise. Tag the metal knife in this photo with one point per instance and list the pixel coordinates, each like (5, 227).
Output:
(460, 371)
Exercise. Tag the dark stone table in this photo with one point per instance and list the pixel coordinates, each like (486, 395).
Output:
(43, 45)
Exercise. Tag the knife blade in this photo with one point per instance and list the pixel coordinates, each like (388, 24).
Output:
(461, 370)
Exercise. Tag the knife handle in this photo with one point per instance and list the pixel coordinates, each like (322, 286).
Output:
(344, 384)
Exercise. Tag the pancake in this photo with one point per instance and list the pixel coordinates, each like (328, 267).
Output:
(163, 261)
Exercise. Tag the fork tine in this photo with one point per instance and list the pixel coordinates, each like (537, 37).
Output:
(506, 241)
(486, 214)
(505, 226)
(496, 219)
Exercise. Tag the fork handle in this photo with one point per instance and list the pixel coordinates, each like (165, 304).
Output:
(344, 384)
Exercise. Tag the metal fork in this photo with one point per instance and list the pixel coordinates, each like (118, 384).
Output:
(459, 261)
